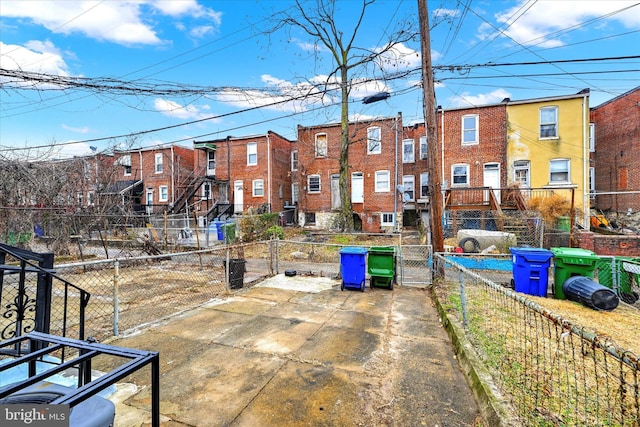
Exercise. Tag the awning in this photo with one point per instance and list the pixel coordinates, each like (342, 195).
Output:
(125, 187)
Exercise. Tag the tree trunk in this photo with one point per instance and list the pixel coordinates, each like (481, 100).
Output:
(343, 182)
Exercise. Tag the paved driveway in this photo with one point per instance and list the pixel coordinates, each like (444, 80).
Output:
(300, 352)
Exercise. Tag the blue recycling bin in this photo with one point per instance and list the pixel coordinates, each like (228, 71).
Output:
(219, 230)
(531, 270)
(352, 267)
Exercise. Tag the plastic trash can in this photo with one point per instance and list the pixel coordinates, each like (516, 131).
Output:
(531, 270)
(229, 231)
(590, 293)
(381, 266)
(569, 262)
(218, 229)
(352, 267)
(236, 272)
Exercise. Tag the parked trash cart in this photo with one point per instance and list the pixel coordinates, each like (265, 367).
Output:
(531, 270)
(381, 266)
(569, 262)
(352, 267)
(236, 272)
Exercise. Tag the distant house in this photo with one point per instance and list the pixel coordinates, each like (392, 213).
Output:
(548, 146)
(374, 174)
(239, 174)
(615, 148)
(157, 175)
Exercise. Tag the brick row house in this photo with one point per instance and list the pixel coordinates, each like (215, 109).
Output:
(615, 154)
(531, 143)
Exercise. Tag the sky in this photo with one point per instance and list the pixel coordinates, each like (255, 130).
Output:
(81, 77)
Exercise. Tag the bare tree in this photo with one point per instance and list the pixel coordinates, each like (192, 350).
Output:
(318, 19)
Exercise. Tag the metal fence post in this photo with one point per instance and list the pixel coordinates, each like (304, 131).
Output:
(116, 307)
(463, 299)
(278, 255)
(226, 270)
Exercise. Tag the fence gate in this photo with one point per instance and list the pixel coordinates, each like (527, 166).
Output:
(414, 265)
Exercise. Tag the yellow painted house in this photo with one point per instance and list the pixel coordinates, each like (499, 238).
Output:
(548, 147)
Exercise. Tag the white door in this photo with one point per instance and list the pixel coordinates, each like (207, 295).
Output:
(492, 179)
(336, 203)
(149, 201)
(238, 197)
(357, 187)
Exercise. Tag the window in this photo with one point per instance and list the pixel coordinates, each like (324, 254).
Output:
(258, 188)
(408, 152)
(294, 193)
(424, 185)
(409, 184)
(357, 187)
(592, 183)
(206, 191)
(294, 160)
(252, 154)
(386, 218)
(592, 137)
(309, 217)
(80, 199)
(164, 193)
(91, 198)
(559, 171)
(125, 161)
(460, 174)
(313, 184)
(470, 129)
(321, 145)
(211, 160)
(549, 122)
(159, 161)
(382, 182)
(521, 173)
(374, 141)
(423, 147)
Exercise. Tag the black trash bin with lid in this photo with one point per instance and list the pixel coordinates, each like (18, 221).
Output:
(590, 293)
(236, 272)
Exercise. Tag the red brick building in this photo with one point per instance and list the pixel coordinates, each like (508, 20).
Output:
(248, 172)
(160, 173)
(615, 156)
(375, 171)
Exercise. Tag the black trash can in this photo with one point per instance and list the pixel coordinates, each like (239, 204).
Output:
(236, 272)
(590, 293)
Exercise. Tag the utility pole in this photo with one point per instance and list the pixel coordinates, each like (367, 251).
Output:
(434, 155)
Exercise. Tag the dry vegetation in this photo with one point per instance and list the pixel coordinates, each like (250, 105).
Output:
(551, 207)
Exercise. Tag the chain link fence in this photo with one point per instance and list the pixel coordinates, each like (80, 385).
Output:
(622, 274)
(555, 372)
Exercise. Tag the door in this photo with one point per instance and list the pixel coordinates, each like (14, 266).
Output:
(149, 203)
(492, 180)
(238, 197)
(357, 187)
(335, 192)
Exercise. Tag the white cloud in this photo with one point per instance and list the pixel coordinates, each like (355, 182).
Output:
(83, 129)
(173, 109)
(466, 100)
(201, 31)
(537, 25)
(398, 57)
(37, 56)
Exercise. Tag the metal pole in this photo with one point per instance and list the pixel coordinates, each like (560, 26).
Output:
(116, 285)
(463, 300)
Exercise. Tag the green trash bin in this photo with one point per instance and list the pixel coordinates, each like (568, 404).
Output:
(381, 264)
(229, 231)
(569, 262)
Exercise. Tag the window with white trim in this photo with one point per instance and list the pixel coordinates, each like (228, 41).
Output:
(313, 184)
(252, 154)
(374, 140)
(460, 174)
(80, 198)
(386, 219)
(321, 145)
(125, 162)
(163, 193)
(409, 184)
(522, 173)
(559, 171)
(159, 162)
(470, 129)
(408, 151)
(91, 198)
(423, 147)
(592, 137)
(294, 160)
(382, 183)
(258, 188)
(294, 193)
(592, 182)
(424, 185)
(211, 160)
(206, 191)
(548, 122)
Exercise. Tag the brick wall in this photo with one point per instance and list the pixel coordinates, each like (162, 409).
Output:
(609, 245)
(617, 144)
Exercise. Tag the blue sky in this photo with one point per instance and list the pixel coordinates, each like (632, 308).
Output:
(239, 78)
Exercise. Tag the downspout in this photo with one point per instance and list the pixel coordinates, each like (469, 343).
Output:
(585, 162)
(228, 169)
(268, 170)
(442, 149)
(173, 177)
(395, 184)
